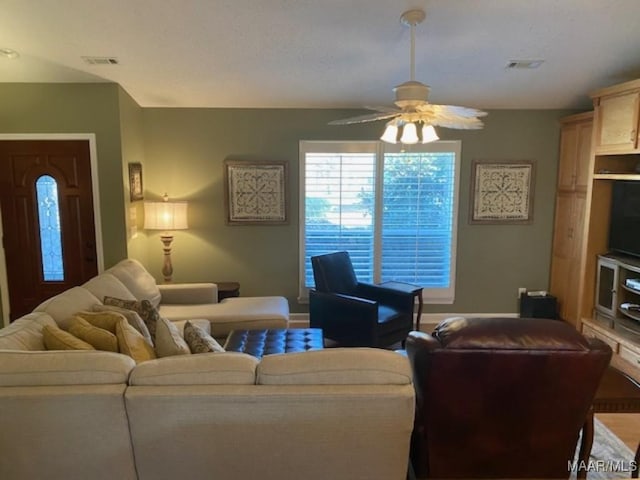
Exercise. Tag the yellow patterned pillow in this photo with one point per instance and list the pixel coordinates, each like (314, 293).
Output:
(57, 339)
(100, 338)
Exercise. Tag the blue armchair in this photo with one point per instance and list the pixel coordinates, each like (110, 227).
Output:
(353, 313)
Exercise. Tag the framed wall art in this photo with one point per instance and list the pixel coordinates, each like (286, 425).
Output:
(502, 192)
(136, 189)
(255, 192)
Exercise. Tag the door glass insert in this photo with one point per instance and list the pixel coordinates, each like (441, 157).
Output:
(49, 224)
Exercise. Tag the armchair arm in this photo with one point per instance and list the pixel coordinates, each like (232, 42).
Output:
(400, 299)
(188, 293)
(349, 320)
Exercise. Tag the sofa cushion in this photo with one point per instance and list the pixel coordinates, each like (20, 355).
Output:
(99, 338)
(63, 368)
(238, 313)
(188, 293)
(64, 305)
(26, 332)
(132, 317)
(200, 341)
(335, 366)
(229, 368)
(168, 341)
(57, 339)
(107, 285)
(136, 278)
(144, 308)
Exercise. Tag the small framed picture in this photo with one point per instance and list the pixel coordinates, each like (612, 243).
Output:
(255, 192)
(502, 192)
(136, 191)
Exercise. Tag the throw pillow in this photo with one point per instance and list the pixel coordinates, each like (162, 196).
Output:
(200, 341)
(144, 308)
(57, 339)
(132, 317)
(132, 343)
(168, 341)
(104, 320)
(99, 338)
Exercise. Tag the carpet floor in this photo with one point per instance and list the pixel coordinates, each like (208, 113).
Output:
(610, 458)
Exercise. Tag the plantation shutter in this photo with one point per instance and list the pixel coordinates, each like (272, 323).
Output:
(417, 218)
(338, 209)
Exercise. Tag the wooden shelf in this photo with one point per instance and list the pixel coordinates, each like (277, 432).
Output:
(633, 314)
(616, 176)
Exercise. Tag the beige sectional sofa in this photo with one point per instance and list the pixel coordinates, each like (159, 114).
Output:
(333, 413)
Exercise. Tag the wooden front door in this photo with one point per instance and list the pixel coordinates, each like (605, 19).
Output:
(46, 204)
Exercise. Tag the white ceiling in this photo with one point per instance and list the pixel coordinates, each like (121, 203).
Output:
(326, 53)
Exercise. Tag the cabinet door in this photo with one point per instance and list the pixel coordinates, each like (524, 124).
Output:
(618, 123)
(564, 226)
(583, 154)
(567, 244)
(606, 286)
(568, 157)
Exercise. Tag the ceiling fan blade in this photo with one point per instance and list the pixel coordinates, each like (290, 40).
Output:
(452, 116)
(381, 108)
(371, 117)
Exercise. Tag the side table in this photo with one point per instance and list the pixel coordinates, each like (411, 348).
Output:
(227, 289)
(415, 290)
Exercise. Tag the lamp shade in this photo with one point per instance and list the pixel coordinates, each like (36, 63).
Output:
(390, 134)
(165, 216)
(409, 134)
(429, 134)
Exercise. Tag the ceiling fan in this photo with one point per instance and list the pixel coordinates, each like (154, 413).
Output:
(413, 107)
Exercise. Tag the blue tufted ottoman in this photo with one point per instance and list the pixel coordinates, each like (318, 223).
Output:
(274, 340)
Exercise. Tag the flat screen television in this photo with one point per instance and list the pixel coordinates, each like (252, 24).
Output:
(624, 229)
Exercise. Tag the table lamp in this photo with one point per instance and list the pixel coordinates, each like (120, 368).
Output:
(166, 216)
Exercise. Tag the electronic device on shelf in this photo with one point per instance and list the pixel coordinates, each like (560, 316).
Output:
(633, 283)
(630, 306)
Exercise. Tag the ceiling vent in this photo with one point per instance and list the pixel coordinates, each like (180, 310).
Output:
(526, 64)
(101, 60)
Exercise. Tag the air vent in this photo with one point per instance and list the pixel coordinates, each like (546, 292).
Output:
(101, 60)
(526, 64)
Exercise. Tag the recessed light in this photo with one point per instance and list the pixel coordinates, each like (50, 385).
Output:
(8, 53)
(101, 60)
(526, 64)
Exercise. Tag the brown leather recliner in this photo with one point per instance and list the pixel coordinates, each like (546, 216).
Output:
(501, 397)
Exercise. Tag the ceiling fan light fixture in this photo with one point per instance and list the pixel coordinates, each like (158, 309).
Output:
(390, 134)
(409, 134)
(412, 105)
(429, 134)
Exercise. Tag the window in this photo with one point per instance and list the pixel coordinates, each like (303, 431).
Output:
(50, 235)
(394, 211)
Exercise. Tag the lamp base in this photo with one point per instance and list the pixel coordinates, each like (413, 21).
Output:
(167, 268)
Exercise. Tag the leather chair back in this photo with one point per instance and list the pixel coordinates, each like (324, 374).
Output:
(334, 273)
(501, 397)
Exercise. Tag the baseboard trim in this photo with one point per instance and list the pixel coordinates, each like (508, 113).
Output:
(428, 321)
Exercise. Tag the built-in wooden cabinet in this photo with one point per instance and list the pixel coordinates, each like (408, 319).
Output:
(615, 155)
(573, 179)
(617, 126)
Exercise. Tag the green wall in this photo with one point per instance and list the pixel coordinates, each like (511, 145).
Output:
(183, 150)
(77, 108)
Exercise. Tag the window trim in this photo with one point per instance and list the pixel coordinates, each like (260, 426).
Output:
(431, 295)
